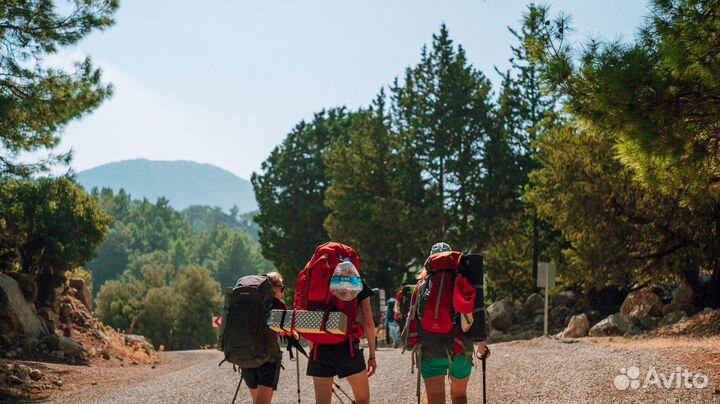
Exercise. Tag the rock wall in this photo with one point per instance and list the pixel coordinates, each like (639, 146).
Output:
(18, 316)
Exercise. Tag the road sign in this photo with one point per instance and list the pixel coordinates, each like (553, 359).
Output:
(546, 279)
(216, 321)
(546, 274)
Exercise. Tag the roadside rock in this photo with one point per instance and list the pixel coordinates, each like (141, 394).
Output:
(83, 292)
(64, 346)
(674, 307)
(672, 318)
(684, 294)
(578, 327)
(29, 344)
(615, 324)
(534, 302)
(35, 374)
(140, 342)
(565, 298)
(500, 315)
(642, 303)
(18, 316)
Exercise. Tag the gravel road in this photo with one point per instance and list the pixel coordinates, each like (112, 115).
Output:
(537, 371)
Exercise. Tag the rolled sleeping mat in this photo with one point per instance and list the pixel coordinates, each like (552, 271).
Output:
(472, 267)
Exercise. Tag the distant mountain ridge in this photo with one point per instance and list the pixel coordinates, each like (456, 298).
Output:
(183, 183)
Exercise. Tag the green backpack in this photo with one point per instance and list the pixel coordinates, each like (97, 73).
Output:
(246, 340)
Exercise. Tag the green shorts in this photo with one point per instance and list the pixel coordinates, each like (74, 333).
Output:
(460, 368)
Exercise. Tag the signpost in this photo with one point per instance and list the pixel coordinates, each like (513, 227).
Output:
(546, 279)
(216, 321)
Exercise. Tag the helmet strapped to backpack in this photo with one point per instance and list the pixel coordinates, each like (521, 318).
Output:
(312, 291)
(246, 339)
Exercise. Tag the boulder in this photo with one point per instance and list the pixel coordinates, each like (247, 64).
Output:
(18, 316)
(578, 327)
(500, 315)
(648, 323)
(615, 324)
(83, 292)
(29, 344)
(35, 374)
(138, 341)
(558, 314)
(642, 303)
(673, 307)
(672, 318)
(565, 298)
(65, 346)
(534, 302)
(684, 294)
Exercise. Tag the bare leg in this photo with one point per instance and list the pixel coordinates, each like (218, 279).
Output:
(435, 389)
(323, 389)
(253, 393)
(263, 396)
(360, 387)
(458, 390)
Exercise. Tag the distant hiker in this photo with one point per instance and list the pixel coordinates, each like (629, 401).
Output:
(330, 282)
(246, 339)
(391, 321)
(440, 316)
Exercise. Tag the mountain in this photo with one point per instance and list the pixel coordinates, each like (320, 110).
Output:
(183, 183)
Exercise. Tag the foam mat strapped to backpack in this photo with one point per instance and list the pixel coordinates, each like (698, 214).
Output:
(308, 322)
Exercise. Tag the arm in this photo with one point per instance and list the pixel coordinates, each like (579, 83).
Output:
(369, 326)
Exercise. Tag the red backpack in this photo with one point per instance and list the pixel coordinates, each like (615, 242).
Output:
(312, 292)
(435, 295)
(437, 299)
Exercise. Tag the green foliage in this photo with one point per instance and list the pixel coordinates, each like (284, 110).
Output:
(171, 308)
(50, 226)
(203, 218)
(237, 256)
(658, 95)
(365, 198)
(619, 231)
(444, 115)
(36, 102)
(290, 192)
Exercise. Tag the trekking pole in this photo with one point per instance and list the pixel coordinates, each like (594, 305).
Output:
(238, 388)
(297, 374)
(483, 377)
(344, 393)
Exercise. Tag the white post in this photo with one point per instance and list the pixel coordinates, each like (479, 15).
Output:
(547, 284)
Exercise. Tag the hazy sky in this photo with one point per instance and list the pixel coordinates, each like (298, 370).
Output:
(223, 82)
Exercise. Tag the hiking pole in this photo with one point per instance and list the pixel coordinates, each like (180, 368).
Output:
(238, 388)
(344, 393)
(483, 377)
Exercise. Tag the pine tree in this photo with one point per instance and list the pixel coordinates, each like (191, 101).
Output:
(36, 102)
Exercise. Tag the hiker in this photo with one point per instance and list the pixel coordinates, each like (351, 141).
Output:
(263, 380)
(245, 337)
(391, 322)
(440, 340)
(336, 286)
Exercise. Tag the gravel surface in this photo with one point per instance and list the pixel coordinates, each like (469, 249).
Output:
(537, 371)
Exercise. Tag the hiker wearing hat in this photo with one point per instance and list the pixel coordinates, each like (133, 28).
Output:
(440, 316)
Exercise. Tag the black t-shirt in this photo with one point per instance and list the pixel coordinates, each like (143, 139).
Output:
(364, 293)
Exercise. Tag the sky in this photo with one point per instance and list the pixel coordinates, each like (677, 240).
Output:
(223, 81)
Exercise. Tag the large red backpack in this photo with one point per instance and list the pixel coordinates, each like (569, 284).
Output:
(435, 295)
(312, 291)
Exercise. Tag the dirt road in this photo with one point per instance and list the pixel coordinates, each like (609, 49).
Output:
(537, 371)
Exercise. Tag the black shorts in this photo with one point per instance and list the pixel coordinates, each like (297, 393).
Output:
(266, 375)
(335, 360)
